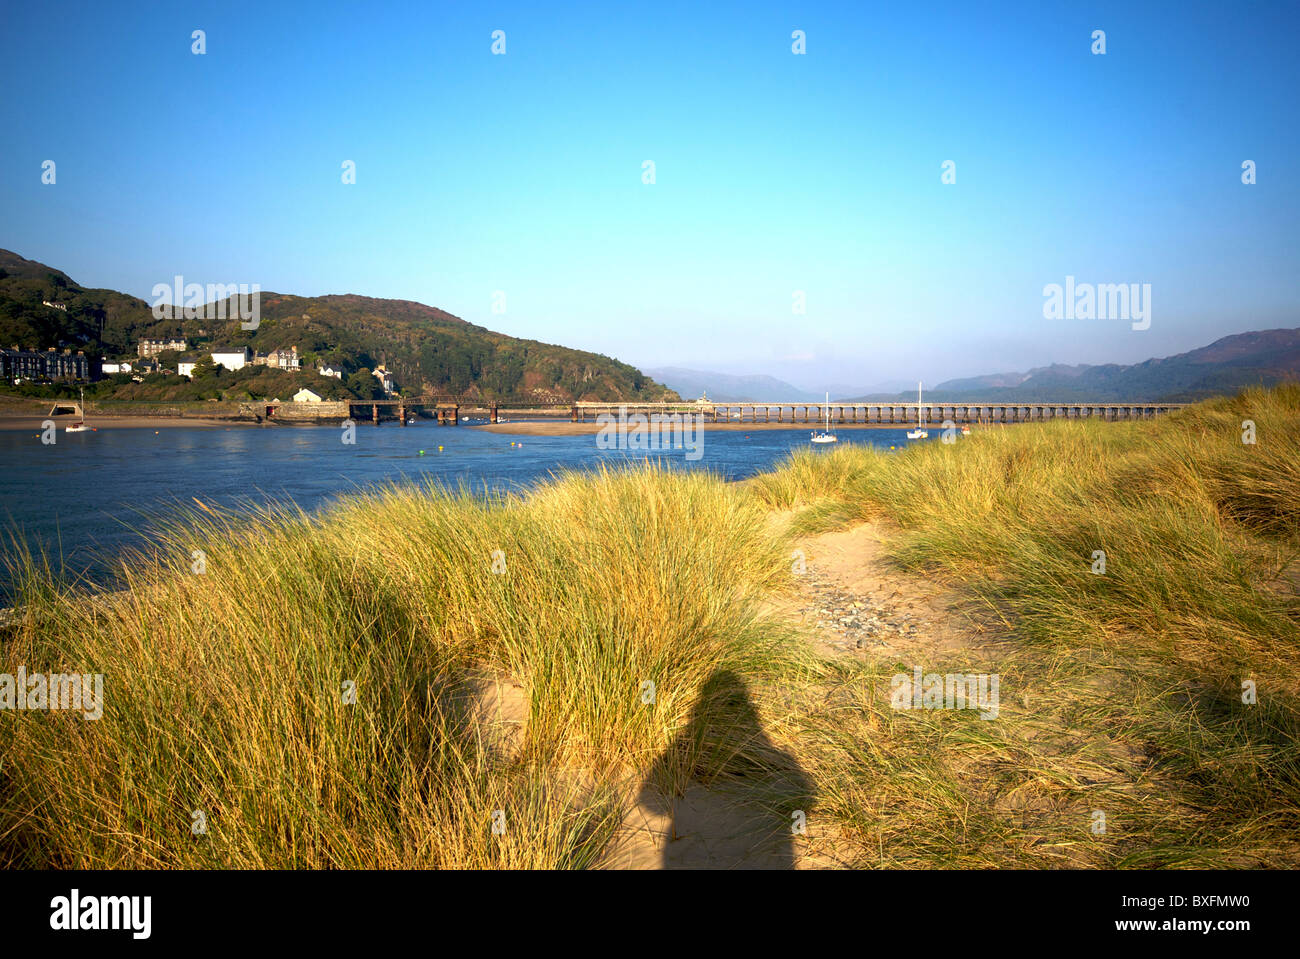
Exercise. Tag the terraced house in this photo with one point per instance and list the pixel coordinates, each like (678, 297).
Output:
(41, 366)
(154, 347)
(48, 365)
(283, 359)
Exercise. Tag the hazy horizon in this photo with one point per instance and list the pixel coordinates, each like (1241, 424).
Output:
(776, 173)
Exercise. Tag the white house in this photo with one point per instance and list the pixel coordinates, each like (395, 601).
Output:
(385, 378)
(116, 368)
(231, 359)
(305, 395)
(185, 368)
(330, 371)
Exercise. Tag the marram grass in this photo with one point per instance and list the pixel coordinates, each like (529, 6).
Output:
(1138, 674)
(226, 691)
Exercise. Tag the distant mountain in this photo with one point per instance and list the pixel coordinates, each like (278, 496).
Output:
(1225, 366)
(734, 388)
(726, 387)
(427, 349)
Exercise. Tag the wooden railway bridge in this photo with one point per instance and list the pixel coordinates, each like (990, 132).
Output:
(447, 411)
(884, 413)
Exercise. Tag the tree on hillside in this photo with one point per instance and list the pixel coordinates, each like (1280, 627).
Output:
(364, 385)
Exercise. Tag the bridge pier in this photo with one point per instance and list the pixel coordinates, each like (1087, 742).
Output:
(374, 413)
(492, 414)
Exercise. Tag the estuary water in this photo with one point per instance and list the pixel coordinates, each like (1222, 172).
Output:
(89, 495)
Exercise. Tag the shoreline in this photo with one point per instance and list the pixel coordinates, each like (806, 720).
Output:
(10, 423)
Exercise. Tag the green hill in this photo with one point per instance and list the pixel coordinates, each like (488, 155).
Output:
(428, 350)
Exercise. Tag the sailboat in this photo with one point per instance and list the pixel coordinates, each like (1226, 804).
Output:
(920, 432)
(79, 426)
(826, 436)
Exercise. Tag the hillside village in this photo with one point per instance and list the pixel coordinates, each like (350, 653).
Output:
(174, 357)
(66, 337)
(151, 354)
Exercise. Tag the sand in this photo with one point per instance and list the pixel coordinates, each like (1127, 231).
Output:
(733, 825)
(32, 424)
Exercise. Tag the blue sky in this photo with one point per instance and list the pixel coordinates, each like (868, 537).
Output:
(774, 172)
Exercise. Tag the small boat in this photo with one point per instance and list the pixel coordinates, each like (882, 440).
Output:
(965, 431)
(826, 436)
(920, 433)
(79, 426)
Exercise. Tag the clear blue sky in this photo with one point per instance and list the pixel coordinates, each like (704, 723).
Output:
(775, 172)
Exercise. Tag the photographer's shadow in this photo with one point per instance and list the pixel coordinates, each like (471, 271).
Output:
(723, 795)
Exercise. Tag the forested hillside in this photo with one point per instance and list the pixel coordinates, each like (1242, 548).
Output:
(427, 349)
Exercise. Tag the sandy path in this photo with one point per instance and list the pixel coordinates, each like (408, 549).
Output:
(853, 601)
(850, 602)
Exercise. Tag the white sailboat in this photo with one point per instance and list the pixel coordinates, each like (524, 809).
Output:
(79, 426)
(826, 436)
(920, 433)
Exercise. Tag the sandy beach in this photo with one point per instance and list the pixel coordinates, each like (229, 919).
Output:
(27, 422)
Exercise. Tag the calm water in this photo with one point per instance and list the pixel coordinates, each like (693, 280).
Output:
(90, 494)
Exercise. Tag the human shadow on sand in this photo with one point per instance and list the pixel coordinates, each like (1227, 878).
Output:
(725, 795)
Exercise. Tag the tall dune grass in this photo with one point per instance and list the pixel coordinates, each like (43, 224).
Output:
(1201, 534)
(225, 689)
